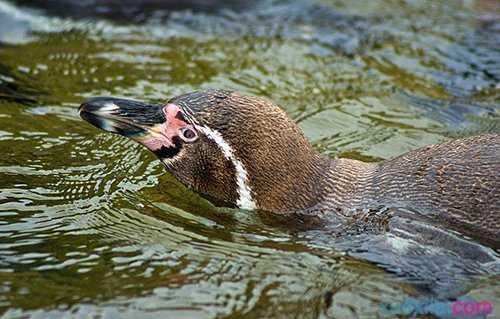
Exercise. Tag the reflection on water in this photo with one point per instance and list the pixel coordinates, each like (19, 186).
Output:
(90, 223)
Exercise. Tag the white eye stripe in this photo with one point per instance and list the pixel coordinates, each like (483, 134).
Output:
(245, 200)
(188, 113)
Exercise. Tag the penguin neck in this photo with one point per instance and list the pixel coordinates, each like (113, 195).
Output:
(317, 182)
(288, 186)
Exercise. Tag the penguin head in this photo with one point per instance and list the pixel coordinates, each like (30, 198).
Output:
(237, 150)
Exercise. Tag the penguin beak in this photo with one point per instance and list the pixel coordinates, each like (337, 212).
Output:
(125, 117)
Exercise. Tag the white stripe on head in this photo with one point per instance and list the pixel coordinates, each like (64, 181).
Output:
(189, 114)
(245, 200)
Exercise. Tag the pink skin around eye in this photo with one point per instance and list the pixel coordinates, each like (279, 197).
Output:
(168, 129)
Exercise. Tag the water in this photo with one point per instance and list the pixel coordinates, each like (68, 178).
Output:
(90, 223)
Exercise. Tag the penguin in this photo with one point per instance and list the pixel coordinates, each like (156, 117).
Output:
(244, 151)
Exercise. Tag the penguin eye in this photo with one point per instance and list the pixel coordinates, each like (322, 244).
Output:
(188, 135)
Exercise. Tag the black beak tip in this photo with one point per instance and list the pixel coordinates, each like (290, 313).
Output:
(95, 104)
(82, 106)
